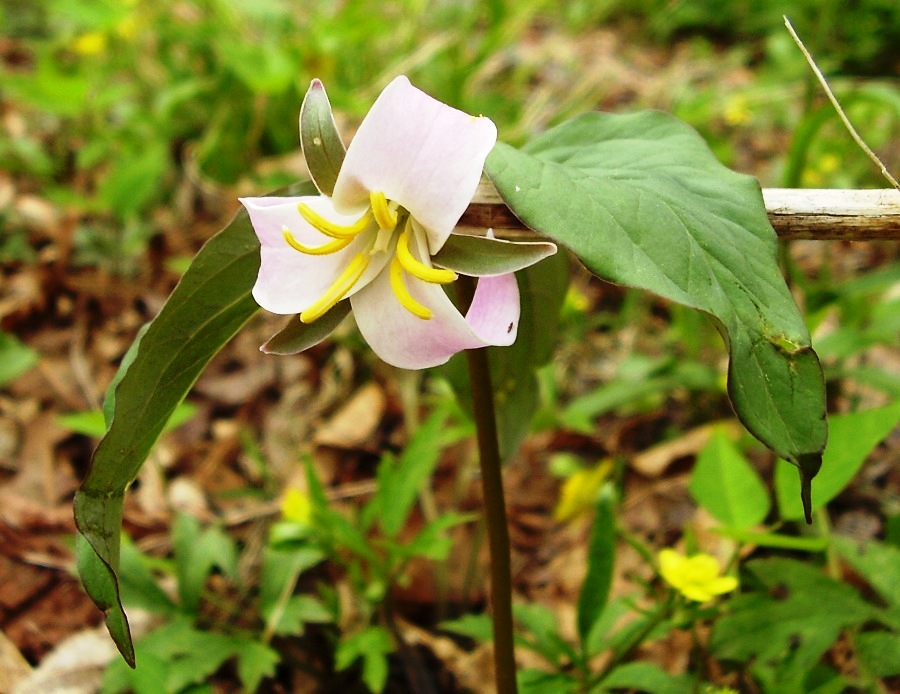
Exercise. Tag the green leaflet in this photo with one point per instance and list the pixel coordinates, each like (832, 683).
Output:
(642, 201)
(205, 310)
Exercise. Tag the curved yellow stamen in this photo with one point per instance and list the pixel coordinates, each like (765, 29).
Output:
(324, 249)
(338, 290)
(381, 210)
(335, 231)
(402, 293)
(419, 269)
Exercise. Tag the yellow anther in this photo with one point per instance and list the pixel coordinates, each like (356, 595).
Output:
(402, 293)
(335, 231)
(419, 269)
(381, 210)
(338, 290)
(324, 249)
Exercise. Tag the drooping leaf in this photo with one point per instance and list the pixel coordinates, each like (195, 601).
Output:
(211, 302)
(725, 484)
(641, 200)
(851, 439)
(320, 140)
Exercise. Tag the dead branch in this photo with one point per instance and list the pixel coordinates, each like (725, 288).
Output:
(822, 214)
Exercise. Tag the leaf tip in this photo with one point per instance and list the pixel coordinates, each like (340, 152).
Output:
(808, 465)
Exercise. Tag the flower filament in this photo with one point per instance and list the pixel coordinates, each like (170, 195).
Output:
(386, 216)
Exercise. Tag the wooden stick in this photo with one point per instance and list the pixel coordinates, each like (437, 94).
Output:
(821, 214)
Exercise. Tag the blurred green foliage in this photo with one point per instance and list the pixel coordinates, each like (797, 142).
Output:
(126, 97)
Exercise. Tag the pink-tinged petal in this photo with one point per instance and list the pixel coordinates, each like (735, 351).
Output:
(405, 341)
(419, 152)
(290, 281)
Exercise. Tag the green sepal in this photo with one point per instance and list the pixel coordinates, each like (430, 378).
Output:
(320, 140)
(483, 256)
(298, 336)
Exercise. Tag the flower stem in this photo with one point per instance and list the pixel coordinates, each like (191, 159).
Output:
(495, 513)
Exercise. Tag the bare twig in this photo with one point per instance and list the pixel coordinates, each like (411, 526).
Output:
(840, 111)
(823, 214)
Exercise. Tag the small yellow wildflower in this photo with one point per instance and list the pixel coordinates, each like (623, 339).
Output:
(736, 111)
(91, 43)
(296, 507)
(697, 577)
(579, 492)
(576, 301)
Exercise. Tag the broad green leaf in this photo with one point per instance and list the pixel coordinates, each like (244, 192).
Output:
(15, 358)
(725, 484)
(211, 302)
(320, 140)
(298, 336)
(784, 628)
(601, 561)
(483, 256)
(851, 439)
(641, 200)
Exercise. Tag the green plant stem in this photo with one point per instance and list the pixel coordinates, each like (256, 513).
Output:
(494, 512)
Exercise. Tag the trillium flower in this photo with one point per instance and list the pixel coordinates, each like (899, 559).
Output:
(407, 177)
(697, 577)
